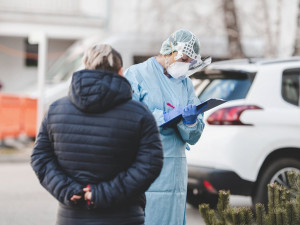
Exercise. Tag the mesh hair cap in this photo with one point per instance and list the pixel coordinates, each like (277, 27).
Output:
(183, 42)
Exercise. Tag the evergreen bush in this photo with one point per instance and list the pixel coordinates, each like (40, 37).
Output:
(283, 207)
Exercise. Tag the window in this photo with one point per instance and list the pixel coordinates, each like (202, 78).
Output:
(227, 88)
(64, 67)
(140, 58)
(290, 86)
(31, 54)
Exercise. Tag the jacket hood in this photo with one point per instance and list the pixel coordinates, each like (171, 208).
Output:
(98, 90)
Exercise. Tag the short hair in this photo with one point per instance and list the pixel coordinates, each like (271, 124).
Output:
(102, 57)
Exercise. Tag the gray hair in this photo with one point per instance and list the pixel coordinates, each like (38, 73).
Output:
(103, 57)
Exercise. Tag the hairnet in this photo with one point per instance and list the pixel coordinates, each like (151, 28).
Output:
(182, 41)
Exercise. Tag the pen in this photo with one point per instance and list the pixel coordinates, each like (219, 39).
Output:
(169, 104)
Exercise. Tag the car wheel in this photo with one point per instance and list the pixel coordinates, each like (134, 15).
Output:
(196, 199)
(275, 172)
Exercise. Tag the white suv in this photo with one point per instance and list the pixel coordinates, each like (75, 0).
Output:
(254, 138)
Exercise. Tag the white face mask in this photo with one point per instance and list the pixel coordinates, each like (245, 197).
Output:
(178, 70)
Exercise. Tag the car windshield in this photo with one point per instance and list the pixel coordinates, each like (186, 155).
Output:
(226, 88)
(64, 68)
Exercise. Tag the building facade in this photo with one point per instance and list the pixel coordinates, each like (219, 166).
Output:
(63, 22)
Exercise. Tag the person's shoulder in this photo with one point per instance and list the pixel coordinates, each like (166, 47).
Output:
(61, 101)
(139, 71)
(131, 73)
(137, 67)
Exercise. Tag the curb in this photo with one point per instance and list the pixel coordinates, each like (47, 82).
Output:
(14, 158)
(14, 155)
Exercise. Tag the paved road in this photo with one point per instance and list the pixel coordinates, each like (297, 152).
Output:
(24, 202)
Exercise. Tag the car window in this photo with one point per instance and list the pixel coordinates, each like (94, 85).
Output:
(64, 68)
(227, 89)
(290, 86)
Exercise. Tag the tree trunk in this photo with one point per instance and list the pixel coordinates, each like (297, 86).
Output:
(277, 39)
(272, 37)
(297, 41)
(233, 32)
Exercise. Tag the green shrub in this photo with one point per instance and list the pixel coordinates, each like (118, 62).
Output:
(283, 207)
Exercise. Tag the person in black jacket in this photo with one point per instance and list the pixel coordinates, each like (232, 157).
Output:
(97, 150)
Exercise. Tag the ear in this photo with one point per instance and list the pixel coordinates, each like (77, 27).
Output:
(121, 72)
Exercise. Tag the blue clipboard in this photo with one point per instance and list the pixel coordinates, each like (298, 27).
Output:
(207, 105)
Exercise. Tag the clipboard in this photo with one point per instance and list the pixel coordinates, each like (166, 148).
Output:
(207, 105)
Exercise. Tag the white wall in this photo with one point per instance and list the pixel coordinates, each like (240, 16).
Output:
(14, 74)
(63, 22)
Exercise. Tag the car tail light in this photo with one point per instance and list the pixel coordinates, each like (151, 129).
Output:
(230, 115)
(209, 187)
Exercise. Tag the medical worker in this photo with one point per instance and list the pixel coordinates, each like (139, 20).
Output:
(162, 83)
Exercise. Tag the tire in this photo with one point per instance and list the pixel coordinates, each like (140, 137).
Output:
(275, 169)
(196, 199)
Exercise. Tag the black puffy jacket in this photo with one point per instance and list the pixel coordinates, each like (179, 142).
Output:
(98, 136)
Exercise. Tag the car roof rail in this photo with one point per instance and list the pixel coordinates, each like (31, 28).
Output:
(258, 61)
(276, 61)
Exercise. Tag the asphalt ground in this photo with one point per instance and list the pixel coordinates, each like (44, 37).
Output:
(23, 201)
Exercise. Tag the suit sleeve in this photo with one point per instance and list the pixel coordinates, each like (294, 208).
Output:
(49, 173)
(191, 134)
(136, 179)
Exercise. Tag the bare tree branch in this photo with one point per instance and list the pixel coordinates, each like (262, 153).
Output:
(233, 32)
(269, 46)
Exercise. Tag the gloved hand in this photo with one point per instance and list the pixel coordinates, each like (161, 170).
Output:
(190, 114)
(173, 113)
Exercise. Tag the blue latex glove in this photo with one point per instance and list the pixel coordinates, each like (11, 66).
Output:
(173, 113)
(190, 114)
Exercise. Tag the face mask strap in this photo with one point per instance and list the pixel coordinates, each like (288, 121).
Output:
(172, 51)
(166, 60)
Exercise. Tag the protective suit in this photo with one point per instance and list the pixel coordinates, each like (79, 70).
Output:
(166, 197)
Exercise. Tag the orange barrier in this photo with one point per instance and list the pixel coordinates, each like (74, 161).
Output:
(10, 116)
(28, 116)
(18, 115)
